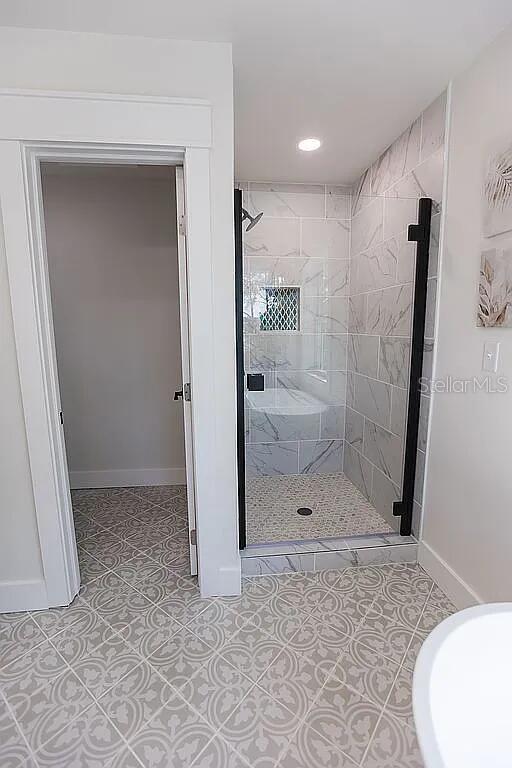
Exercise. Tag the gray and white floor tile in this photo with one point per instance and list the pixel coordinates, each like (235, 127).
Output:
(304, 670)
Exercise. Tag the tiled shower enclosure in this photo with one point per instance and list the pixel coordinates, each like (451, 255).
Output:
(328, 286)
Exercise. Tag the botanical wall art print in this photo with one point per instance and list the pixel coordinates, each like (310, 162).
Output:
(495, 287)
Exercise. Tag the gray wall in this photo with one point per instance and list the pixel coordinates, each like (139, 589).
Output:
(468, 520)
(384, 203)
(20, 560)
(112, 255)
(302, 241)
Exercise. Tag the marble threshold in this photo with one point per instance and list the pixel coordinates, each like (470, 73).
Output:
(324, 554)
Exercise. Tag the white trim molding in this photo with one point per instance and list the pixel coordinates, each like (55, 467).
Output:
(127, 478)
(117, 129)
(23, 596)
(459, 592)
(105, 119)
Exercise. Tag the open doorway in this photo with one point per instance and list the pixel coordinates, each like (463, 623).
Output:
(116, 256)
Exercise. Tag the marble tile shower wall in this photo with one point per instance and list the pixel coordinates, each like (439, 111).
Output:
(297, 424)
(382, 261)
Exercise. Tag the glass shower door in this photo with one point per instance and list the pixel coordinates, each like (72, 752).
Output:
(292, 295)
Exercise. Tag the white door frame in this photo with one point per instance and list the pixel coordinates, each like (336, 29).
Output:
(97, 128)
(181, 230)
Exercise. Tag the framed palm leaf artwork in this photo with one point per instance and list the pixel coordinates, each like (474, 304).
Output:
(495, 286)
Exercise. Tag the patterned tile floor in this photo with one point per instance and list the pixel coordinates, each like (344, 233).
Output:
(302, 671)
(339, 509)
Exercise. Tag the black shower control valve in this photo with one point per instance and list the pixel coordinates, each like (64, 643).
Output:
(255, 382)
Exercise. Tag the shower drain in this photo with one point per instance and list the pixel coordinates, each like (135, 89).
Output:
(304, 511)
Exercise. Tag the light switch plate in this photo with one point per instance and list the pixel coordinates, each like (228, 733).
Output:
(490, 358)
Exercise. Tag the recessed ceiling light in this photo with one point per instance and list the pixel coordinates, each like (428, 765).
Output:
(309, 145)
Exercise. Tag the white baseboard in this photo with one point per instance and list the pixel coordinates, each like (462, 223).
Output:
(460, 593)
(23, 596)
(225, 582)
(123, 478)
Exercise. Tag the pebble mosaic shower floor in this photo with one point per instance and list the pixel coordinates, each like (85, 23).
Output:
(309, 670)
(339, 509)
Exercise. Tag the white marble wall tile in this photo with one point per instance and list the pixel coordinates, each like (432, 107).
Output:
(264, 566)
(354, 429)
(367, 555)
(433, 126)
(321, 456)
(423, 422)
(358, 470)
(315, 277)
(405, 254)
(282, 427)
(357, 312)
(433, 255)
(324, 277)
(399, 212)
(397, 553)
(428, 354)
(251, 318)
(263, 460)
(381, 301)
(335, 560)
(417, 514)
(384, 493)
(332, 387)
(430, 314)
(390, 311)
(327, 314)
(285, 351)
(397, 160)
(261, 271)
(363, 354)
(426, 180)
(334, 356)
(337, 277)
(246, 425)
(273, 237)
(329, 387)
(367, 227)
(394, 360)
(420, 477)
(325, 239)
(291, 547)
(399, 398)
(376, 268)
(374, 550)
(384, 450)
(338, 202)
(332, 423)
(378, 540)
(361, 192)
(286, 200)
(369, 397)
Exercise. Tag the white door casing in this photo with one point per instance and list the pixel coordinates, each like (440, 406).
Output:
(96, 128)
(185, 365)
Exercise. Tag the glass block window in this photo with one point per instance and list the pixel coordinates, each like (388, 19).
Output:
(281, 309)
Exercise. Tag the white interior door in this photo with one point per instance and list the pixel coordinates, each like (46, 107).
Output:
(185, 365)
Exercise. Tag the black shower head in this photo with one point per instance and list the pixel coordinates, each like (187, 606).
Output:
(253, 220)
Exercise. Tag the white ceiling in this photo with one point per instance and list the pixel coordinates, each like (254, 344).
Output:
(354, 73)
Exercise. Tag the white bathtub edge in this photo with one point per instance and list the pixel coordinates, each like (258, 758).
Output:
(421, 700)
